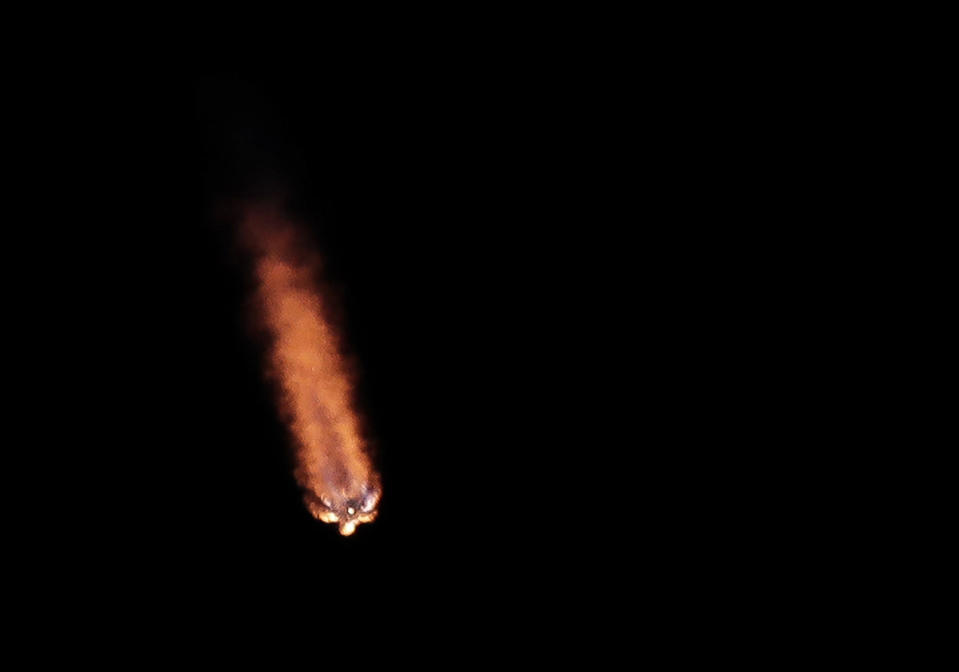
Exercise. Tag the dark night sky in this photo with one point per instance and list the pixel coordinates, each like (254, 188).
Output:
(573, 262)
(512, 253)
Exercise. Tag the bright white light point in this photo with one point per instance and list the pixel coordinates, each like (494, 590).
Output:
(350, 510)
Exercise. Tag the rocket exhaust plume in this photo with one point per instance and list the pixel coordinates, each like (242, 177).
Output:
(311, 377)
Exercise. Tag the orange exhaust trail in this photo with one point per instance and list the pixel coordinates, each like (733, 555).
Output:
(306, 362)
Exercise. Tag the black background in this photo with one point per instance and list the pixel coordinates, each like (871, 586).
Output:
(573, 260)
(519, 272)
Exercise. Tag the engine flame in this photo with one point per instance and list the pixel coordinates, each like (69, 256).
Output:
(333, 469)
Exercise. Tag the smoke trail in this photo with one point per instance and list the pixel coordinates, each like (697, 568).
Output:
(333, 468)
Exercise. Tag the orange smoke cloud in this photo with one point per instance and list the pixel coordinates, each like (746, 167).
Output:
(333, 468)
